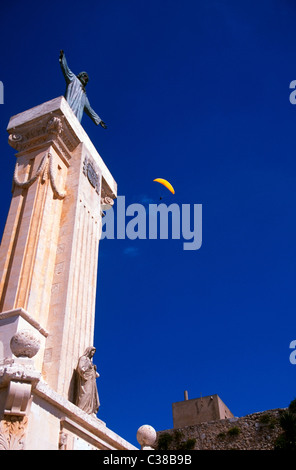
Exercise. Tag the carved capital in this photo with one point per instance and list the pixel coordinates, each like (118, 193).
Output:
(12, 433)
(14, 140)
(54, 125)
(51, 129)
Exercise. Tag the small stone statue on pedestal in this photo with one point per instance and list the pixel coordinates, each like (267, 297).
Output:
(87, 397)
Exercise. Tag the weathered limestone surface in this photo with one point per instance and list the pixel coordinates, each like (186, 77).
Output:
(48, 277)
(35, 417)
(49, 250)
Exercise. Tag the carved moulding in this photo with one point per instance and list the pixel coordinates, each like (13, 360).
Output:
(12, 432)
(18, 398)
(93, 174)
(18, 377)
(45, 170)
(52, 130)
(107, 198)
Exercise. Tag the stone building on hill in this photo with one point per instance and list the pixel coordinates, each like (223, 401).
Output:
(206, 423)
(199, 410)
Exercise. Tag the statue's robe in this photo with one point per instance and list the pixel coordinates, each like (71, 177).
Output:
(76, 95)
(87, 394)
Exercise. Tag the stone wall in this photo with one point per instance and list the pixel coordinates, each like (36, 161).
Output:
(257, 431)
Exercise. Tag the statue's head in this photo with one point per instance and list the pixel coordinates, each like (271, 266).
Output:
(90, 351)
(83, 77)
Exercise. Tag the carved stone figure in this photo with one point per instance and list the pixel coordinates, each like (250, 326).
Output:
(75, 93)
(87, 397)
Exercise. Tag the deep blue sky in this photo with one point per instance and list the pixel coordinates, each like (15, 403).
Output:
(196, 92)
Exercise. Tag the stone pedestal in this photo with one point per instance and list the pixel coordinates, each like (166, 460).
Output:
(48, 273)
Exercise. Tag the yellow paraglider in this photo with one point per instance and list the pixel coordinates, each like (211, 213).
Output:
(166, 184)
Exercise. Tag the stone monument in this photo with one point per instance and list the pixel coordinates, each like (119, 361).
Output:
(48, 274)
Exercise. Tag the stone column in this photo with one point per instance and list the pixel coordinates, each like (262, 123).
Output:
(49, 250)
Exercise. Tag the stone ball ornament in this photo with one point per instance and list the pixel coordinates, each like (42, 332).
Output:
(146, 436)
(24, 344)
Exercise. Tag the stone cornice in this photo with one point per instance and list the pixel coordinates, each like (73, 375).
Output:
(79, 418)
(51, 130)
(54, 123)
(26, 316)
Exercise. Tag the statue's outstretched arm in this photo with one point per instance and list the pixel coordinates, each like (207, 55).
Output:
(93, 115)
(68, 74)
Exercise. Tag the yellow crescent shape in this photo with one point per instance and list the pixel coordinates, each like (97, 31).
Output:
(166, 184)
